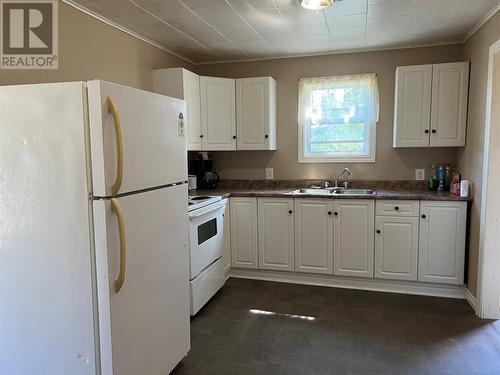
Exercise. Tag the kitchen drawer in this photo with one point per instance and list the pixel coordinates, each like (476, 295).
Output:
(397, 208)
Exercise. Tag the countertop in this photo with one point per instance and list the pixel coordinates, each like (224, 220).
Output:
(423, 195)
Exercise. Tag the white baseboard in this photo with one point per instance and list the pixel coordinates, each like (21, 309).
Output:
(391, 286)
(471, 299)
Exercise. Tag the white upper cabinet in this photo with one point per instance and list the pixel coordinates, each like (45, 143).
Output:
(442, 242)
(412, 103)
(430, 105)
(450, 87)
(256, 113)
(183, 84)
(218, 117)
(353, 248)
(313, 235)
(275, 228)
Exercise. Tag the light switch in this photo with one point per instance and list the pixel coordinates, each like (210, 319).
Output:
(269, 173)
(420, 174)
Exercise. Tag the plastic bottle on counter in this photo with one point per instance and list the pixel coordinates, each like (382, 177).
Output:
(441, 177)
(432, 182)
(447, 177)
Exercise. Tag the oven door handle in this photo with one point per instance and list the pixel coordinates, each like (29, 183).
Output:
(201, 212)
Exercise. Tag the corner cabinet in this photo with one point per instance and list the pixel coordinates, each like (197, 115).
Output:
(244, 241)
(313, 235)
(442, 242)
(430, 105)
(353, 237)
(218, 113)
(185, 85)
(275, 228)
(256, 113)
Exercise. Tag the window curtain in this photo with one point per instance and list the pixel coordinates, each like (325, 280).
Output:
(333, 101)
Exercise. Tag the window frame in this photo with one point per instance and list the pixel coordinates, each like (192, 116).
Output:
(302, 130)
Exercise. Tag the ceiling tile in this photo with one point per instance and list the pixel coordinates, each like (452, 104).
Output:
(346, 8)
(347, 21)
(399, 8)
(348, 31)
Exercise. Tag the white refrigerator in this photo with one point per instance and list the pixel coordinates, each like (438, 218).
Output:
(94, 258)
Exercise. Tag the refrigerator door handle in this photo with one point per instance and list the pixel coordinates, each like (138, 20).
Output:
(123, 247)
(119, 145)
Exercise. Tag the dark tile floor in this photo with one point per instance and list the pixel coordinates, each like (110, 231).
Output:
(258, 327)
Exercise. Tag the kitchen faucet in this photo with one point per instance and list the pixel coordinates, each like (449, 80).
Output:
(341, 175)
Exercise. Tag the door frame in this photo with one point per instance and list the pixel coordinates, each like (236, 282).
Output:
(488, 290)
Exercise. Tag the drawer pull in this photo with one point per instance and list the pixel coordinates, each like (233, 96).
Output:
(396, 208)
(423, 216)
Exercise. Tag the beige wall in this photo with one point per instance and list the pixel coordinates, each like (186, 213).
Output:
(470, 158)
(390, 164)
(89, 48)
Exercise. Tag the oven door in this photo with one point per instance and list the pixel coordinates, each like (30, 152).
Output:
(205, 236)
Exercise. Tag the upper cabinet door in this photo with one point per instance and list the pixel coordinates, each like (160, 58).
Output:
(412, 104)
(182, 84)
(191, 88)
(218, 118)
(450, 86)
(133, 134)
(256, 113)
(353, 249)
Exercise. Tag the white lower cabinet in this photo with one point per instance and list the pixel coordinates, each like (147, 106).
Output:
(244, 239)
(275, 228)
(353, 237)
(396, 247)
(313, 235)
(442, 242)
(226, 239)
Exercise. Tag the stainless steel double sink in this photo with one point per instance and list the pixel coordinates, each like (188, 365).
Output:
(332, 191)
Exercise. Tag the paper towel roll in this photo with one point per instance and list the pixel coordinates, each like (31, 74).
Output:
(464, 188)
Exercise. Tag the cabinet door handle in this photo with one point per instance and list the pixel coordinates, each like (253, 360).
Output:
(378, 231)
(336, 213)
(396, 208)
(434, 131)
(423, 216)
(330, 213)
(234, 137)
(266, 136)
(201, 135)
(290, 211)
(426, 131)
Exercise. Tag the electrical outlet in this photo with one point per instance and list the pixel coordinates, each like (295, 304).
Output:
(269, 173)
(420, 174)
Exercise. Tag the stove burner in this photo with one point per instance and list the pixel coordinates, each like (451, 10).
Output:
(200, 198)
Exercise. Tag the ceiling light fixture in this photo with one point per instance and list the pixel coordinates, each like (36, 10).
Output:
(316, 4)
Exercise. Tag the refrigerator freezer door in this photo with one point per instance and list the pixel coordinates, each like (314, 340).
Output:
(145, 326)
(46, 304)
(152, 138)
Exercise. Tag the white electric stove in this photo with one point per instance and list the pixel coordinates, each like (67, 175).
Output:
(206, 225)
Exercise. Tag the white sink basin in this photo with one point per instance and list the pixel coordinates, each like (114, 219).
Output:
(355, 192)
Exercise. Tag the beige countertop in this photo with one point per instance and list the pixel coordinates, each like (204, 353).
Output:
(285, 192)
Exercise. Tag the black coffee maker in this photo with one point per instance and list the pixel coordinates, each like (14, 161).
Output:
(206, 177)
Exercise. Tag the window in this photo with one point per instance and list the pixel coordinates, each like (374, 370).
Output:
(337, 118)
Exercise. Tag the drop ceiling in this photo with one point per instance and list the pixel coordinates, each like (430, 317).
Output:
(202, 31)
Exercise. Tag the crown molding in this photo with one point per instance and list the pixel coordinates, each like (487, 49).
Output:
(340, 52)
(485, 19)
